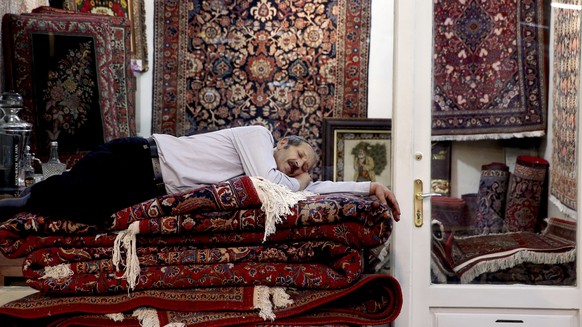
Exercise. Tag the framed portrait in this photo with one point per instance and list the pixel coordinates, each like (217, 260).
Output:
(357, 150)
(133, 10)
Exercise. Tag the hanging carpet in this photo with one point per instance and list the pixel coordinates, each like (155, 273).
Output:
(489, 78)
(566, 100)
(284, 64)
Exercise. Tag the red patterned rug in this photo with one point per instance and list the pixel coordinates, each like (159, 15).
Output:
(213, 236)
(373, 300)
(468, 257)
(282, 64)
(489, 72)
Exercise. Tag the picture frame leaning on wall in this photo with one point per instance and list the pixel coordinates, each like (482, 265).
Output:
(357, 150)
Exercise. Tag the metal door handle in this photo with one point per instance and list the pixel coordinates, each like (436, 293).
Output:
(418, 200)
(420, 195)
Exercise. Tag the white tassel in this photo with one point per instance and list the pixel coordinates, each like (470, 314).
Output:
(563, 208)
(57, 272)
(127, 239)
(476, 137)
(277, 201)
(115, 316)
(262, 301)
(280, 298)
(147, 317)
(266, 298)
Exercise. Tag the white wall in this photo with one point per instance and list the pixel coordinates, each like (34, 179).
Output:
(144, 99)
(380, 70)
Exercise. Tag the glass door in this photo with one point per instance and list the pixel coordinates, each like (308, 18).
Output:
(485, 103)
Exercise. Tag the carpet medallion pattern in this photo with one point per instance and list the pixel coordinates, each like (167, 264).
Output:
(489, 79)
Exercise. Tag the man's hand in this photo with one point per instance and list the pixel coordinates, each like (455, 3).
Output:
(385, 196)
(304, 180)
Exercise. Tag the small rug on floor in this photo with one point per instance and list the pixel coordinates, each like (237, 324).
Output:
(471, 256)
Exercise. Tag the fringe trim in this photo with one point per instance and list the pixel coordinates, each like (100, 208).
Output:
(277, 201)
(127, 239)
(280, 298)
(516, 259)
(563, 208)
(262, 300)
(115, 316)
(57, 272)
(477, 137)
(147, 317)
(438, 270)
(384, 255)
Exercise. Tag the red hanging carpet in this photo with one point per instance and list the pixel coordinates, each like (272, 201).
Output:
(489, 71)
(282, 64)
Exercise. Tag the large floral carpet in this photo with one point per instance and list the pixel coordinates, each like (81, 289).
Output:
(489, 72)
(283, 64)
(245, 233)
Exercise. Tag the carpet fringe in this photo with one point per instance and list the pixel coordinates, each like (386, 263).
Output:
(127, 239)
(384, 255)
(266, 298)
(280, 298)
(476, 137)
(57, 272)
(148, 317)
(516, 259)
(115, 316)
(438, 270)
(563, 208)
(277, 201)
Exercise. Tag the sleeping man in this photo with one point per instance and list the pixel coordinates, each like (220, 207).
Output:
(127, 171)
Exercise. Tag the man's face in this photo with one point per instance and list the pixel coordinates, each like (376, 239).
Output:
(294, 160)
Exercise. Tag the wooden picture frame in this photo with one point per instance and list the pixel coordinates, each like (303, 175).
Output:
(135, 12)
(345, 139)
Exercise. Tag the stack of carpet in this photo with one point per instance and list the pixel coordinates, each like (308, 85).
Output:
(241, 252)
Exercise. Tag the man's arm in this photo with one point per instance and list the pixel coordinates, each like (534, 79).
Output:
(383, 193)
(386, 196)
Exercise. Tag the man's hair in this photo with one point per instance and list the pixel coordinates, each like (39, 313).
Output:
(296, 140)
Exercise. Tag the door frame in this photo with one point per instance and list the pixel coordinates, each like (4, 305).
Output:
(412, 93)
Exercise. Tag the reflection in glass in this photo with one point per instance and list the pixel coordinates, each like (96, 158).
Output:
(510, 188)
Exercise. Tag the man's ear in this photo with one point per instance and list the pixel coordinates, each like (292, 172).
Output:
(282, 143)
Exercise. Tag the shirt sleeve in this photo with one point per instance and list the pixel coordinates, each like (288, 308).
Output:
(326, 187)
(255, 147)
